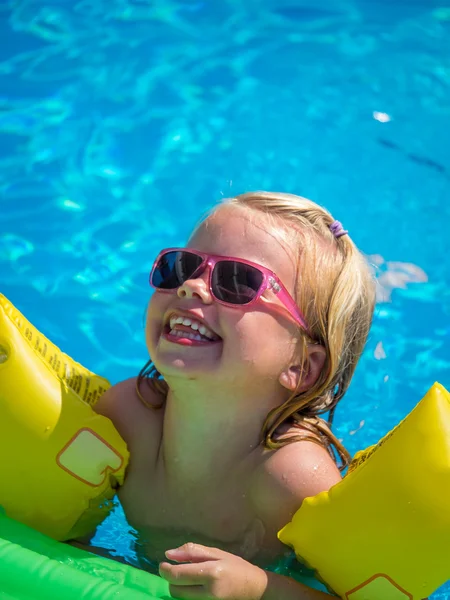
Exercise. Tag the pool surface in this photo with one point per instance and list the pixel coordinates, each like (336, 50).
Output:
(123, 121)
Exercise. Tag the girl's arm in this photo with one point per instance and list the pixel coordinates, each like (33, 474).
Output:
(205, 573)
(281, 587)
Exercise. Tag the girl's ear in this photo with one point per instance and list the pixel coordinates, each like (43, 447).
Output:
(301, 377)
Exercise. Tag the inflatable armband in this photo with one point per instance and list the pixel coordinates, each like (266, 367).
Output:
(60, 461)
(383, 532)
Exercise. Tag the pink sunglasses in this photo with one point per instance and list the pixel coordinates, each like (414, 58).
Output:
(232, 281)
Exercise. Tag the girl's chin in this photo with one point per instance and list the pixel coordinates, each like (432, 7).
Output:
(178, 372)
(191, 359)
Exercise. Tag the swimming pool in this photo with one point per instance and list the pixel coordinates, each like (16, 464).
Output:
(122, 121)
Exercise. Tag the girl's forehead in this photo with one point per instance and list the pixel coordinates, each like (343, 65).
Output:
(251, 235)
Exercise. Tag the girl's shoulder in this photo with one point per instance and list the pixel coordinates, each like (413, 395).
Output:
(287, 476)
(130, 414)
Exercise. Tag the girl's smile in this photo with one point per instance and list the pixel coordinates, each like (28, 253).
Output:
(186, 328)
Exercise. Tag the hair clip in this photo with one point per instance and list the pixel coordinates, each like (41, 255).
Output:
(337, 230)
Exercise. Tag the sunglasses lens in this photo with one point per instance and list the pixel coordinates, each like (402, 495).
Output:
(235, 282)
(174, 268)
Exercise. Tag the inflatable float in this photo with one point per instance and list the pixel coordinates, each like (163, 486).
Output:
(380, 534)
(35, 567)
(64, 461)
(383, 532)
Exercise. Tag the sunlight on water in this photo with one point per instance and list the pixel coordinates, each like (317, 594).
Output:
(123, 121)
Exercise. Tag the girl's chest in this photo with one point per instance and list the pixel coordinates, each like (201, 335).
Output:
(219, 516)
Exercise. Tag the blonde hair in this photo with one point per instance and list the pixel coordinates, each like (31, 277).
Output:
(336, 294)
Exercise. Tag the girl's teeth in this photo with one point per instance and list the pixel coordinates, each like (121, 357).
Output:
(192, 324)
(185, 334)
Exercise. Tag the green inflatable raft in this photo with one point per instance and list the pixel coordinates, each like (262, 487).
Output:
(35, 567)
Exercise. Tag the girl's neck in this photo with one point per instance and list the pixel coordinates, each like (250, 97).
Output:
(208, 432)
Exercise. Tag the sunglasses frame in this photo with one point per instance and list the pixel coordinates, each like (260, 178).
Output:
(270, 281)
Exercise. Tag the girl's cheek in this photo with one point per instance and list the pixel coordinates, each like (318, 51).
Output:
(154, 321)
(157, 306)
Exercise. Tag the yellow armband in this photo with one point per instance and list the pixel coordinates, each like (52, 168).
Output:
(60, 461)
(383, 533)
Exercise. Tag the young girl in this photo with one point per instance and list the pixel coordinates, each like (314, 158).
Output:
(254, 330)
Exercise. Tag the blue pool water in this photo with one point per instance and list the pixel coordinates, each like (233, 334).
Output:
(123, 121)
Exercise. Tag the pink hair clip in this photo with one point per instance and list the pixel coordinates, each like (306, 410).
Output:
(337, 230)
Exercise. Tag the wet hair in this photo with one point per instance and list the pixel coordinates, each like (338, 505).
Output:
(335, 292)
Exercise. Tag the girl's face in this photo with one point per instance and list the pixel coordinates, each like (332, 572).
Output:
(248, 346)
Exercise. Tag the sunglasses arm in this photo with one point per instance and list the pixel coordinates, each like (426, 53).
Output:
(280, 291)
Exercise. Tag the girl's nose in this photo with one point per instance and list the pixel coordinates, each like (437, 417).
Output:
(196, 288)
